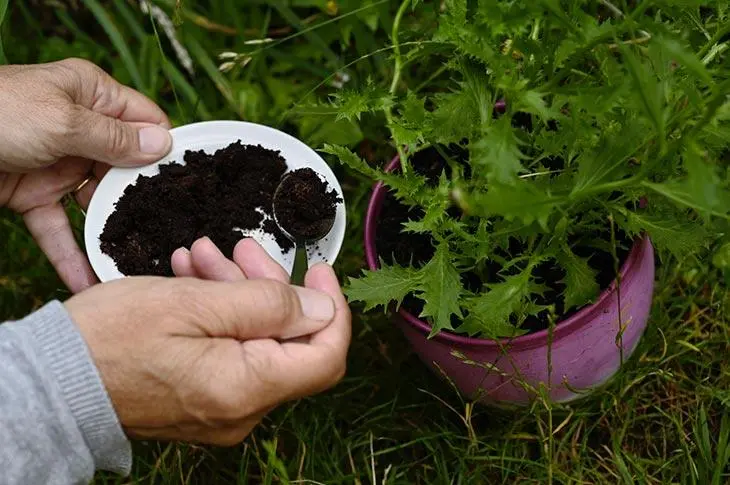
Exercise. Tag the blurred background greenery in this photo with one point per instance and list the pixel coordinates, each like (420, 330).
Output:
(664, 419)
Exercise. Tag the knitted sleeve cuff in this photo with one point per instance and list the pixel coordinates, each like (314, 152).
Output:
(69, 360)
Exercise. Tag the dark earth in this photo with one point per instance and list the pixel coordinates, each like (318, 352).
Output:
(211, 195)
(395, 246)
(304, 206)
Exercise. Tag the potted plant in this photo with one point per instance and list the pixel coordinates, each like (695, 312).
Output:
(516, 229)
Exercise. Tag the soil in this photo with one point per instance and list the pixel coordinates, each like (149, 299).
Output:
(214, 195)
(417, 249)
(304, 206)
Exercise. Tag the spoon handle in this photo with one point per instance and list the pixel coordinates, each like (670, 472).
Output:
(301, 265)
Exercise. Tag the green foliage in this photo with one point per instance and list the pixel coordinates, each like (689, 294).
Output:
(3, 10)
(579, 120)
(440, 289)
(437, 284)
(386, 285)
(580, 279)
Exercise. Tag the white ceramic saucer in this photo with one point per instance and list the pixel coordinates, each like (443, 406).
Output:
(210, 136)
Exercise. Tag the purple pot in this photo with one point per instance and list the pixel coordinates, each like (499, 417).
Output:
(584, 351)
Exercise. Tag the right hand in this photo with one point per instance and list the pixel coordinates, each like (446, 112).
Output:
(203, 361)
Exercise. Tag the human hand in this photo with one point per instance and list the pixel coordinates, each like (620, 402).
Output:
(203, 361)
(62, 123)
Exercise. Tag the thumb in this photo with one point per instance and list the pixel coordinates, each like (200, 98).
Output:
(116, 142)
(254, 309)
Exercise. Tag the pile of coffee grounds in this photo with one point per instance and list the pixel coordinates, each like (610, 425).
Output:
(305, 207)
(210, 195)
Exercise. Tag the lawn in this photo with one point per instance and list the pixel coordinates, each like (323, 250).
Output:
(664, 418)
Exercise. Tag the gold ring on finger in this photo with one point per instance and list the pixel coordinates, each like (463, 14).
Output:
(82, 184)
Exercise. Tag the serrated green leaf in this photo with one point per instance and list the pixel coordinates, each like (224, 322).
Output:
(682, 56)
(532, 101)
(684, 195)
(352, 104)
(384, 286)
(408, 187)
(453, 116)
(489, 312)
(681, 239)
(521, 202)
(404, 135)
(473, 327)
(581, 285)
(498, 152)
(647, 90)
(413, 110)
(609, 161)
(441, 290)
(432, 218)
(479, 245)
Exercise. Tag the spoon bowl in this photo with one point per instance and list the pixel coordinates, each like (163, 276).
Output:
(314, 233)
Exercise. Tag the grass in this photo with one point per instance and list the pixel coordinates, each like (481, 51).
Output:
(664, 419)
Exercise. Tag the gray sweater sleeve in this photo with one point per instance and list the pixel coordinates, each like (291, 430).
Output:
(57, 423)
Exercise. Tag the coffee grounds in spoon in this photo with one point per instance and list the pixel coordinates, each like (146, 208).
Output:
(211, 195)
(306, 206)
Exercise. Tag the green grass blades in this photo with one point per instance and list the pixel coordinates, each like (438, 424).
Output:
(3, 12)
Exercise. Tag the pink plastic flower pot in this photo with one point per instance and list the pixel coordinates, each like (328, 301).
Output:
(584, 351)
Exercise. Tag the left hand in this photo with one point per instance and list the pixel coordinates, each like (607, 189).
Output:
(62, 126)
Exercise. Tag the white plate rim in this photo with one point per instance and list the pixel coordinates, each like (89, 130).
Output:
(210, 135)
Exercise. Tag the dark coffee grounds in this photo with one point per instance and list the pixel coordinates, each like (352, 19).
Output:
(305, 207)
(211, 195)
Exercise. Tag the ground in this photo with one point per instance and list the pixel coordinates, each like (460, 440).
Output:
(665, 418)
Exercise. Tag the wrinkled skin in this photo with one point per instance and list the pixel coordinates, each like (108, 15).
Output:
(61, 122)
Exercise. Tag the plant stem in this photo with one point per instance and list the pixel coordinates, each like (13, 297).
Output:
(433, 76)
(609, 186)
(714, 40)
(396, 79)
(396, 47)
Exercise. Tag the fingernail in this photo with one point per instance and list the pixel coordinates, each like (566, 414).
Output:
(315, 304)
(153, 139)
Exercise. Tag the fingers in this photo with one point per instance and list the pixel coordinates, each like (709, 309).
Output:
(107, 121)
(91, 87)
(249, 309)
(110, 140)
(83, 196)
(204, 260)
(295, 369)
(210, 264)
(182, 264)
(253, 259)
(51, 229)
(336, 337)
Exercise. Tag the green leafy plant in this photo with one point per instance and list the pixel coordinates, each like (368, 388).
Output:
(565, 129)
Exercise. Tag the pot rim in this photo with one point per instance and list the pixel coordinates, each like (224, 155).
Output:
(562, 327)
